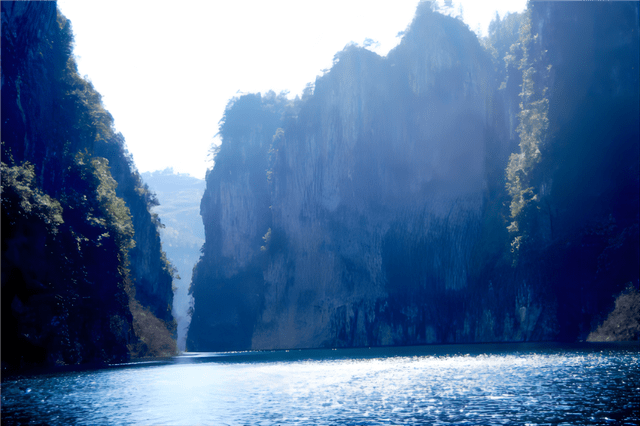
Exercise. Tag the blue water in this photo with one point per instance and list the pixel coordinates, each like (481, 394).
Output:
(459, 384)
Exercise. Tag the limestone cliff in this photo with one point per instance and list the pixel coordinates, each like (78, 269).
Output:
(373, 211)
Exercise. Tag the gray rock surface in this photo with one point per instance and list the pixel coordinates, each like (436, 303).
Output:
(373, 211)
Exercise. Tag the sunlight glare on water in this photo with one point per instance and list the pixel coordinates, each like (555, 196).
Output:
(419, 385)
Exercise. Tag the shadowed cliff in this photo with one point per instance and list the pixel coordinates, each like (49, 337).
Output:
(83, 275)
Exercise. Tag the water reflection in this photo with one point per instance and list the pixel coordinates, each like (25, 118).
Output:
(486, 384)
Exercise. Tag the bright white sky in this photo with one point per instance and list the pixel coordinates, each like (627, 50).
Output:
(167, 69)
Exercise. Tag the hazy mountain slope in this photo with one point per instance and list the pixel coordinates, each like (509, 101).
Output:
(182, 235)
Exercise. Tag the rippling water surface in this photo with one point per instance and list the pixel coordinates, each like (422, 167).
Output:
(461, 384)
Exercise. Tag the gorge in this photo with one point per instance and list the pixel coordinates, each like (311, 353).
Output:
(460, 189)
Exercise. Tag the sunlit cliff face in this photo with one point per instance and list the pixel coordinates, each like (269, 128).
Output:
(374, 211)
(384, 158)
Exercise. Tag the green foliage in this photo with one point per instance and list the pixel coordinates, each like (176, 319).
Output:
(123, 198)
(241, 145)
(623, 323)
(154, 337)
(533, 116)
(113, 207)
(92, 121)
(502, 42)
(21, 180)
(62, 276)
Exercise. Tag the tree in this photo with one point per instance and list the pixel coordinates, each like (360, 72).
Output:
(533, 115)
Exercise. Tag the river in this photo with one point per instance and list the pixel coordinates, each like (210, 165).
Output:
(453, 384)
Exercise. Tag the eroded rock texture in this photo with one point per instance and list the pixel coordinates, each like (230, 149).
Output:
(373, 211)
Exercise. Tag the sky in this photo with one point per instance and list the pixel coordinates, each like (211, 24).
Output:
(166, 70)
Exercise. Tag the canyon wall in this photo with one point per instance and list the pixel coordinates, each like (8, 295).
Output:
(448, 192)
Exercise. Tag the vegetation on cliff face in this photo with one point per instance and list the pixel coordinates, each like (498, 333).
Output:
(572, 184)
(623, 323)
(446, 193)
(64, 283)
(534, 121)
(79, 244)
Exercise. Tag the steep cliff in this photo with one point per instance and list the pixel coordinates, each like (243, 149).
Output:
(237, 200)
(373, 207)
(80, 248)
(585, 223)
(151, 272)
(384, 207)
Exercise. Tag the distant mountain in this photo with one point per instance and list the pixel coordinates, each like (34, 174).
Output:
(179, 195)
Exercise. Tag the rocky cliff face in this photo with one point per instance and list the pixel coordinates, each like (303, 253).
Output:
(588, 178)
(377, 188)
(79, 243)
(371, 212)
